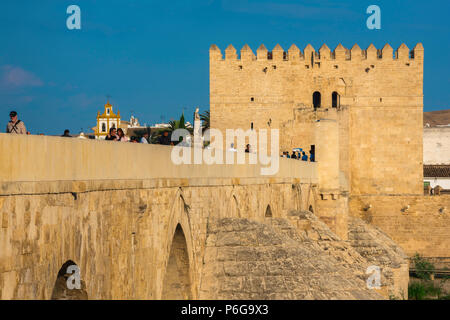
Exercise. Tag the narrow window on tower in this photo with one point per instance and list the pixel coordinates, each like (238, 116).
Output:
(335, 98)
(317, 99)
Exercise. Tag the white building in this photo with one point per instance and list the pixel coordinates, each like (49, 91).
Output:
(161, 126)
(436, 145)
(436, 156)
(437, 175)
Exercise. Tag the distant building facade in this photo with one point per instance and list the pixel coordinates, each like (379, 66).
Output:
(436, 156)
(105, 121)
(436, 145)
(437, 175)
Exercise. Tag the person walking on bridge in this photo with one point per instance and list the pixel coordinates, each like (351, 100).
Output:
(304, 157)
(121, 135)
(66, 134)
(15, 126)
(144, 138)
(112, 136)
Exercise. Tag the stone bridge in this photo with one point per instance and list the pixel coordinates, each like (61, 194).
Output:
(134, 223)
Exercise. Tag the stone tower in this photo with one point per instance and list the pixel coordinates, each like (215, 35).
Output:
(375, 96)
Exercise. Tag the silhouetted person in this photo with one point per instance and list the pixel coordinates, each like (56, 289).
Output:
(312, 156)
(304, 156)
(165, 139)
(66, 134)
(293, 155)
(247, 149)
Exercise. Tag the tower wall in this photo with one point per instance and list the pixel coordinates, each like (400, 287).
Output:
(332, 203)
(379, 111)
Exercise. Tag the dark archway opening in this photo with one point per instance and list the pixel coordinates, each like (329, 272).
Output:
(68, 284)
(317, 99)
(177, 283)
(268, 212)
(335, 100)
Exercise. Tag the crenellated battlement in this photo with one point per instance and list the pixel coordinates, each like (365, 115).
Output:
(372, 98)
(340, 53)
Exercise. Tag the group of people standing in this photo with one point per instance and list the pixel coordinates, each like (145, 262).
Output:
(118, 135)
(17, 126)
(299, 156)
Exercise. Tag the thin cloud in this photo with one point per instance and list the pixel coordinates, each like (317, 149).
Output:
(84, 101)
(16, 77)
(290, 10)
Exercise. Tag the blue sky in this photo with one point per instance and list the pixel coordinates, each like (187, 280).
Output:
(152, 57)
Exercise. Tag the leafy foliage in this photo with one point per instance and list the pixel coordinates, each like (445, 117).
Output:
(416, 291)
(424, 290)
(423, 267)
(179, 124)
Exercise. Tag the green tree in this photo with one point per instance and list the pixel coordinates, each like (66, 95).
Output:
(154, 137)
(178, 124)
(173, 125)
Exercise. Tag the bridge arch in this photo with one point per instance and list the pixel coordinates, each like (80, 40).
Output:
(69, 284)
(177, 279)
(233, 206)
(268, 213)
(178, 253)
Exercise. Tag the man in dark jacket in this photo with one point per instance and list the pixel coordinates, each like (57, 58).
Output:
(112, 136)
(165, 139)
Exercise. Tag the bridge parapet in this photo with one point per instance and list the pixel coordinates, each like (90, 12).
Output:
(27, 161)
